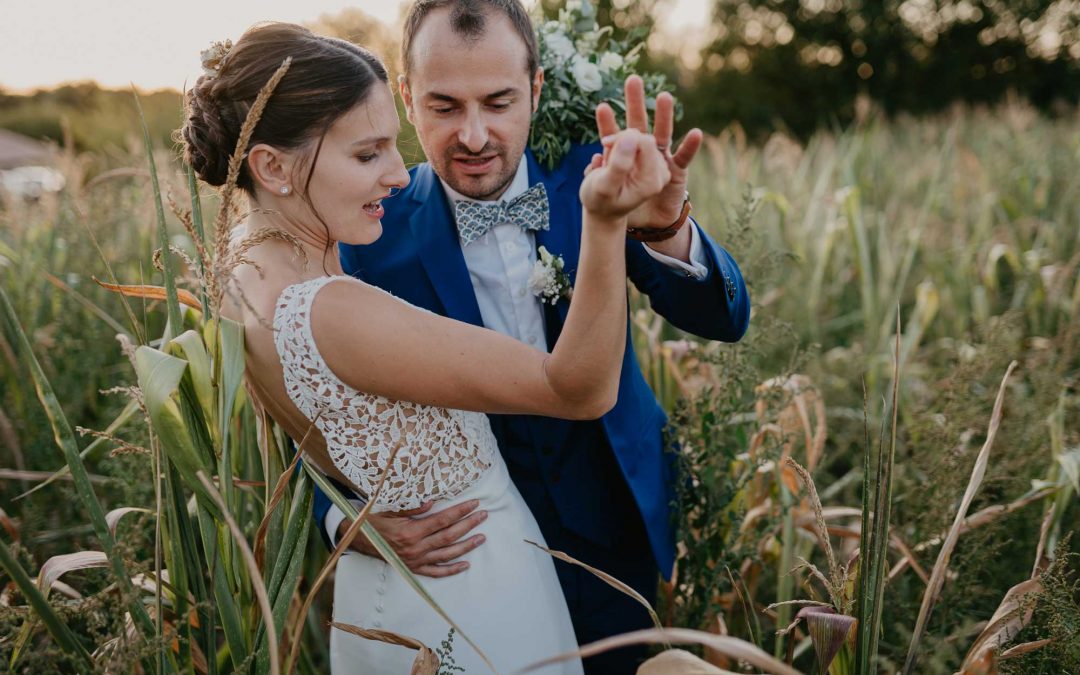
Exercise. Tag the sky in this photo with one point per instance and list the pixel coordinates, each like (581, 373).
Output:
(155, 44)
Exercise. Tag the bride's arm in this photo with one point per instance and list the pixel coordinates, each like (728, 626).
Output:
(379, 345)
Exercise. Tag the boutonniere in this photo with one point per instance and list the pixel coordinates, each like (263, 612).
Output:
(548, 281)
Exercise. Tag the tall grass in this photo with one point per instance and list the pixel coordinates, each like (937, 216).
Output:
(966, 222)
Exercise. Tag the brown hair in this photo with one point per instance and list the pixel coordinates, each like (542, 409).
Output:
(327, 78)
(467, 19)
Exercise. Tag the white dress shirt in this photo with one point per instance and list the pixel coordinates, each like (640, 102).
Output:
(500, 262)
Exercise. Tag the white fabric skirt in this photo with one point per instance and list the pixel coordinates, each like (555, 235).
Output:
(508, 601)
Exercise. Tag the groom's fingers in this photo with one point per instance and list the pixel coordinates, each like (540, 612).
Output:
(439, 571)
(688, 148)
(429, 525)
(449, 554)
(664, 120)
(423, 508)
(637, 116)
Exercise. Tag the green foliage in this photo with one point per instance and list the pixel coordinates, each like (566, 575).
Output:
(961, 221)
(96, 119)
(801, 64)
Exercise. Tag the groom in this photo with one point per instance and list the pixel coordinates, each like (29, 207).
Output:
(600, 490)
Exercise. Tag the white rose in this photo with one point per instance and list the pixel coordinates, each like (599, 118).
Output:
(610, 61)
(541, 279)
(560, 46)
(587, 75)
(573, 5)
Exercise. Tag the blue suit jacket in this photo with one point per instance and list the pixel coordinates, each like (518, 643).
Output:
(419, 259)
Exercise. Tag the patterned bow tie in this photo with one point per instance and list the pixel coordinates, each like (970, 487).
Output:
(529, 210)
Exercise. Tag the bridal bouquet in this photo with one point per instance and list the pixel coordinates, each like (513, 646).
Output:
(583, 67)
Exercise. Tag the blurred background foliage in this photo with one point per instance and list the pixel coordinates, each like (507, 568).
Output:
(766, 65)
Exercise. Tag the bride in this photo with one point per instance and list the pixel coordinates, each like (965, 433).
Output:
(373, 372)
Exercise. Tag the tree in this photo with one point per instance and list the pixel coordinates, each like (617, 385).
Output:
(801, 63)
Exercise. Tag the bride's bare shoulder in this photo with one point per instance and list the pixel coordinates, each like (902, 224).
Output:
(252, 289)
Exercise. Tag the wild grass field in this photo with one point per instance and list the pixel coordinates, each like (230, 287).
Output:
(897, 268)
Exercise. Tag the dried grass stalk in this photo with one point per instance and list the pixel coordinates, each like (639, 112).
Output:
(937, 576)
(606, 578)
(426, 662)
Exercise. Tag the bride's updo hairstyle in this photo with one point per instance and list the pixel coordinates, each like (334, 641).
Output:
(327, 78)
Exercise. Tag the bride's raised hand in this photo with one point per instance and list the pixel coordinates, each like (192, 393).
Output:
(630, 172)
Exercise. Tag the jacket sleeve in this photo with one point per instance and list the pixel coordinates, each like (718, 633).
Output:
(715, 308)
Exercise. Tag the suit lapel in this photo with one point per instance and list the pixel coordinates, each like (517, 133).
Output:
(564, 234)
(437, 246)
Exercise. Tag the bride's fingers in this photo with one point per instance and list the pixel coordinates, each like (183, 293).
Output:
(619, 164)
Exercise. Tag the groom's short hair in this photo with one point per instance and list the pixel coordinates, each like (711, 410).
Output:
(467, 19)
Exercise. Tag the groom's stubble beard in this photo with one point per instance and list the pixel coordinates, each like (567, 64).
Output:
(488, 187)
(484, 187)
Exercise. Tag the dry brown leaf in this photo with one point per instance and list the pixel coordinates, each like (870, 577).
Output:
(732, 647)
(426, 661)
(59, 565)
(1024, 648)
(678, 662)
(112, 518)
(150, 293)
(9, 525)
(1009, 618)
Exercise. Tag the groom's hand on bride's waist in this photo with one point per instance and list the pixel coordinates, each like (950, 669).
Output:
(428, 545)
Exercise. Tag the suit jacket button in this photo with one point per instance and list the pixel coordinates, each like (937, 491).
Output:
(556, 477)
(546, 451)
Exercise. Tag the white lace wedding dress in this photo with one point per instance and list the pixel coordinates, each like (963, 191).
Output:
(509, 600)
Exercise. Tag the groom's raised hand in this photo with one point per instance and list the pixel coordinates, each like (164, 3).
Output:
(663, 209)
(428, 545)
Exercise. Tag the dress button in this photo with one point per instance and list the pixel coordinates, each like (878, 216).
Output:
(531, 339)
(520, 293)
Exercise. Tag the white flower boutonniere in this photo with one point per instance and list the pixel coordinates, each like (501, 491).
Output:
(548, 281)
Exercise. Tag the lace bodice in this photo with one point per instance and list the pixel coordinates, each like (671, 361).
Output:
(443, 451)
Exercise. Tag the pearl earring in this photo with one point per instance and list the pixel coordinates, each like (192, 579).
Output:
(284, 189)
